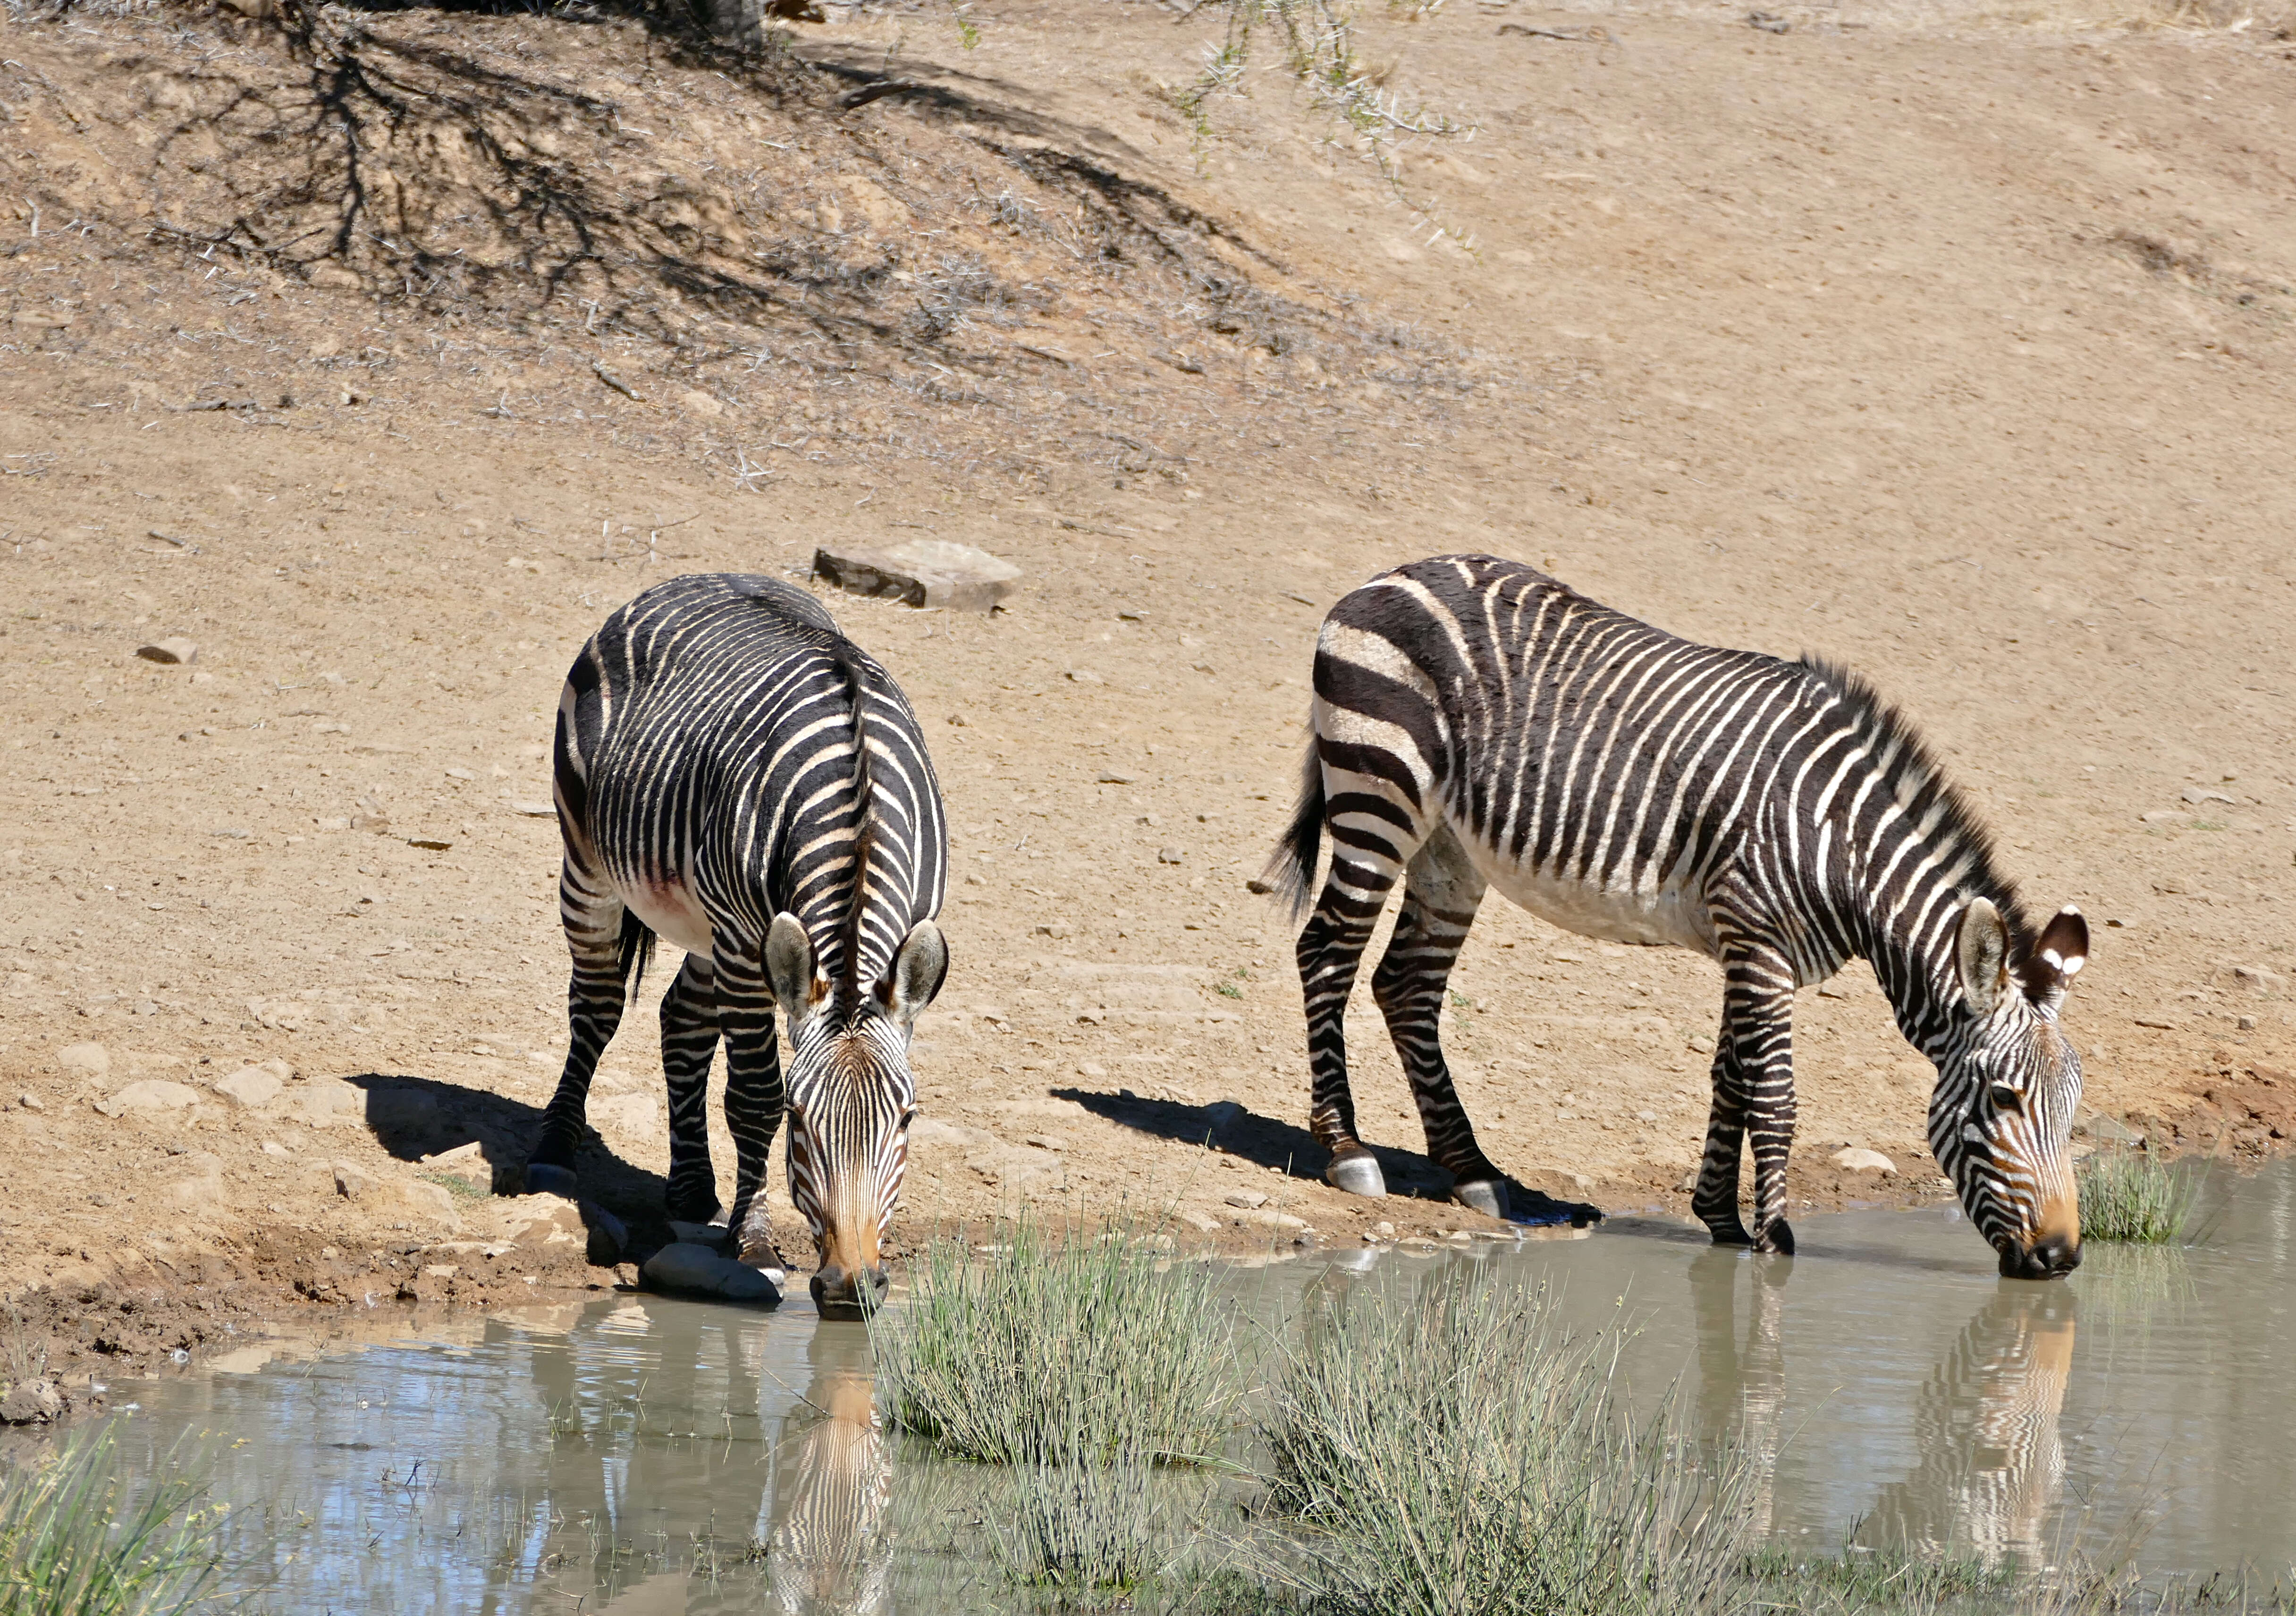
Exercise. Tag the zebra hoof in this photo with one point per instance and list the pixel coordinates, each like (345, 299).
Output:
(1356, 1172)
(1488, 1196)
(542, 1178)
(1777, 1239)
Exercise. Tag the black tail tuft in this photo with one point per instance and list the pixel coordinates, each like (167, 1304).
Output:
(1292, 867)
(633, 954)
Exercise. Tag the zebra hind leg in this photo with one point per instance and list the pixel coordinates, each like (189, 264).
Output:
(607, 942)
(689, 1040)
(1329, 948)
(1441, 893)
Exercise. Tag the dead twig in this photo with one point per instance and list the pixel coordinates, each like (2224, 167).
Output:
(614, 382)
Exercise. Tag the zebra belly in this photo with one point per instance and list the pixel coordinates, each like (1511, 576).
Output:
(670, 908)
(1663, 918)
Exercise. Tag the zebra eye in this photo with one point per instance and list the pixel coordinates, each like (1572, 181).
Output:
(2007, 1100)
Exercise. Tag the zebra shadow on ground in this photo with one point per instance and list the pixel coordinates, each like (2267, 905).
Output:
(1227, 1127)
(414, 1118)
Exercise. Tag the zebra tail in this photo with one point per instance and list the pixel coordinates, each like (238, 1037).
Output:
(634, 953)
(1292, 867)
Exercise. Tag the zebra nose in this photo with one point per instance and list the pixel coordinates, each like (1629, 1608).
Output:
(838, 1293)
(2049, 1259)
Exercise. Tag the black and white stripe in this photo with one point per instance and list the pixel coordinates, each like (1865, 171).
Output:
(1476, 723)
(734, 775)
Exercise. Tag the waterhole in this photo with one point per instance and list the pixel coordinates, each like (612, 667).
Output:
(640, 1454)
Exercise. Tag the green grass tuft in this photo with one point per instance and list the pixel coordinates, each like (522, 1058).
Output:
(1061, 1352)
(78, 1539)
(1465, 1455)
(2133, 1197)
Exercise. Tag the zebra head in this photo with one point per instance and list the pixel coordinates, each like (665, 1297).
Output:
(850, 1098)
(2008, 1083)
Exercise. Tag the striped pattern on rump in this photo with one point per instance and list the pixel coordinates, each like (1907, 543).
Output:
(737, 775)
(1477, 724)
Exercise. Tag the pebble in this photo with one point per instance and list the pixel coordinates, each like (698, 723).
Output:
(1200, 1222)
(250, 1086)
(2258, 979)
(30, 1101)
(152, 1093)
(1080, 675)
(1246, 1198)
(1108, 776)
(351, 1182)
(698, 1270)
(1048, 1142)
(1169, 856)
(1852, 1160)
(534, 810)
(33, 1402)
(172, 652)
(921, 572)
(1383, 1229)
(2198, 794)
(1057, 929)
(1268, 1218)
(84, 1060)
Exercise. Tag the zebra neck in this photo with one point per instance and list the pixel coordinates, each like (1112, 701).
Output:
(1909, 899)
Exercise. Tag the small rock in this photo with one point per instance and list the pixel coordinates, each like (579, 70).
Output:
(534, 810)
(1057, 929)
(1169, 856)
(272, 1147)
(85, 1061)
(1080, 675)
(1201, 1222)
(932, 1130)
(1246, 1198)
(922, 572)
(1048, 1142)
(1646, 1116)
(2199, 795)
(2107, 1130)
(1852, 1160)
(697, 1270)
(609, 1236)
(1108, 776)
(250, 1086)
(1689, 1181)
(172, 652)
(1268, 1218)
(33, 1402)
(30, 1101)
(152, 1093)
(2258, 979)
(1383, 1229)
(351, 1182)
(2246, 1024)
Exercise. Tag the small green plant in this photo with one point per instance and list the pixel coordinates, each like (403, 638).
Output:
(1044, 1349)
(1228, 990)
(968, 32)
(1465, 1455)
(2132, 1196)
(78, 1539)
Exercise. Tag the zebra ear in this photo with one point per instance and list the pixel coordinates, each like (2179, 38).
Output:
(1980, 955)
(920, 966)
(2058, 956)
(789, 967)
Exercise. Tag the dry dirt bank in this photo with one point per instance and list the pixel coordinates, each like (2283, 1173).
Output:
(1962, 354)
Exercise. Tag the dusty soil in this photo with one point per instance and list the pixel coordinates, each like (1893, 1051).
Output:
(1961, 349)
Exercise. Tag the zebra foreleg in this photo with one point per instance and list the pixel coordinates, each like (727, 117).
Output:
(1330, 947)
(1758, 1001)
(689, 1041)
(755, 1098)
(595, 923)
(1716, 1202)
(1441, 893)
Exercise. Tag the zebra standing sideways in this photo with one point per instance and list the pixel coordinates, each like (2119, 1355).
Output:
(737, 775)
(1476, 722)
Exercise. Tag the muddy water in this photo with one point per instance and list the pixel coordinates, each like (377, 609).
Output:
(640, 1454)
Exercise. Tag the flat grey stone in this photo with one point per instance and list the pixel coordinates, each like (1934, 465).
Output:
(919, 572)
(32, 1402)
(696, 1270)
(152, 1093)
(1852, 1160)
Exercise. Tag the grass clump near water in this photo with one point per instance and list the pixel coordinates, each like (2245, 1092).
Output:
(2132, 1197)
(1465, 1455)
(78, 1539)
(1045, 1351)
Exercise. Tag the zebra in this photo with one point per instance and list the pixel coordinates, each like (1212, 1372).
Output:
(1475, 722)
(734, 775)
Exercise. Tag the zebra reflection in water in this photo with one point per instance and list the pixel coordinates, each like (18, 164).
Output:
(1990, 1463)
(830, 1546)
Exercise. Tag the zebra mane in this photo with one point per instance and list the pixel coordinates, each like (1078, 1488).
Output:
(864, 828)
(1925, 796)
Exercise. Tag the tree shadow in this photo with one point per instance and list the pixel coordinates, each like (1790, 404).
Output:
(413, 1118)
(1293, 1149)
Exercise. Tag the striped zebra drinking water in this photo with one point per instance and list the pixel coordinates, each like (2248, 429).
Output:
(1476, 723)
(737, 775)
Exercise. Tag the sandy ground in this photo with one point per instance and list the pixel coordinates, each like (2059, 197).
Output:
(1959, 351)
